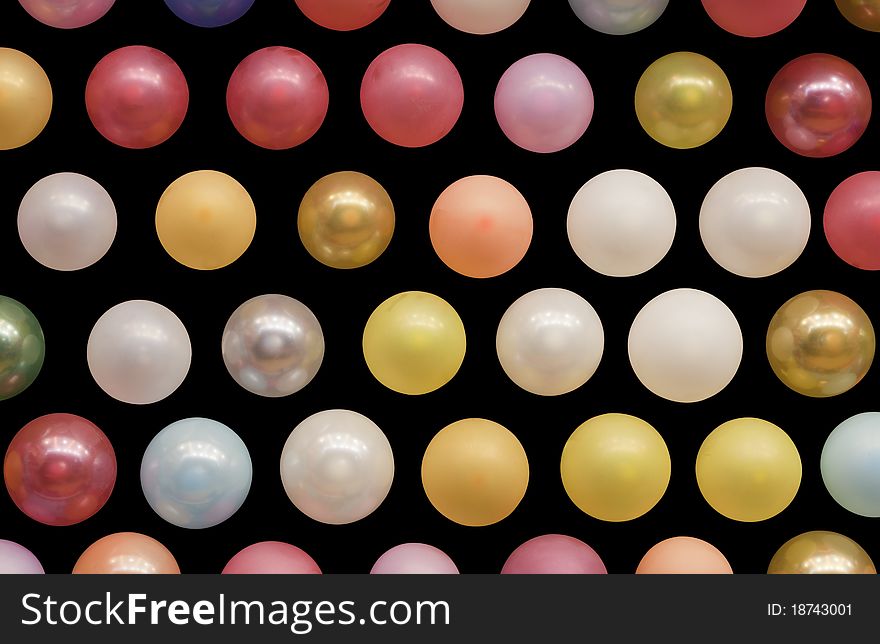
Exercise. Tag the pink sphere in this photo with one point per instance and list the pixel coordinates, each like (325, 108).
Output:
(544, 103)
(554, 554)
(412, 95)
(60, 469)
(67, 14)
(852, 220)
(277, 98)
(18, 560)
(414, 559)
(137, 97)
(271, 558)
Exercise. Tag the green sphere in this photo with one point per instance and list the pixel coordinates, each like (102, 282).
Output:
(22, 347)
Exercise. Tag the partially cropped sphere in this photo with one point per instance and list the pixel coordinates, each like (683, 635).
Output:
(18, 560)
(196, 473)
(67, 14)
(554, 554)
(851, 464)
(22, 347)
(271, 558)
(209, 13)
(618, 17)
(273, 345)
(414, 559)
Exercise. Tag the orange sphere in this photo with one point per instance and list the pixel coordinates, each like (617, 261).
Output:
(126, 553)
(684, 556)
(481, 226)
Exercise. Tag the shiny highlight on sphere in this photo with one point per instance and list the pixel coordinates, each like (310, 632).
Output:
(821, 553)
(22, 348)
(414, 343)
(126, 553)
(60, 469)
(554, 554)
(25, 99)
(67, 14)
(818, 105)
(864, 14)
(137, 97)
(475, 472)
(683, 100)
(618, 17)
(209, 13)
(273, 345)
(196, 473)
(346, 220)
(820, 343)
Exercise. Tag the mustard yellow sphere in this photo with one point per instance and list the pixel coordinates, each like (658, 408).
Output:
(25, 99)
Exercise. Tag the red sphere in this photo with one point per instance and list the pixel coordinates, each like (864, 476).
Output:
(60, 469)
(277, 98)
(753, 18)
(137, 97)
(852, 220)
(818, 105)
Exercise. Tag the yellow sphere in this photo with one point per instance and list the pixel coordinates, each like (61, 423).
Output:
(862, 13)
(683, 100)
(475, 472)
(414, 343)
(615, 467)
(25, 99)
(206, 220)
(821, 552)
(820, 343)
(748, 469)
(346, 220)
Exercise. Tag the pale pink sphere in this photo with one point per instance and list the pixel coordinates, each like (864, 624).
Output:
(67, 14)
(414, 559)
(554, 554)
(18, 560)
(271, 558)
(544, 103)
(412, 95)
(277, 98)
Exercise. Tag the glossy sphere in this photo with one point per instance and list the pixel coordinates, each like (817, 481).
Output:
(618, 17)
(755, 222)
(481, 226)
(67, 14)
(18, 560)
(22, 348)
(337, 466)
(346, 220)
(277, 98)
(343, 15)
(60, 469)
(615, 467)
(683, 100)
(139, 352)
(820, 343)
(196, 473)
(414, 343)
(209, 13)
(852, 220)
(137, 97)
(621, 223)
(684, 556)
(412, 95)
(480, 16)
(821, 553)
(818, 105)
(67, 221)
(271, 558)
(550, 341)
(554, 554)
(475, 472)
(126, 553)
(206, 220)
(25, 99)
(414, 559)
(864, 14)
(685, 345)
(748, 469)
(273, 345)
(544, 103)
(851, 464)
(753, 18)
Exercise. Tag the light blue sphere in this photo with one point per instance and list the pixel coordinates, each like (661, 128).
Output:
(850, 464)
(196, 473)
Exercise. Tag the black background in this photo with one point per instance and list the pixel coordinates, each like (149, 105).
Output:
(68, 304)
